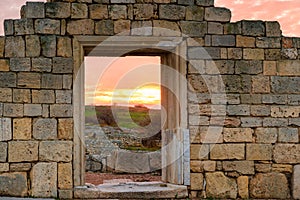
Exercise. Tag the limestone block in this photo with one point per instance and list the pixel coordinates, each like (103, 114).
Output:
(220, 186)
(5, 95)
(243, 182)
(242, 167)
(41, 64)
(20, 167)
(104, 27)
(23, 27)
(245, 41)
(266, 135)
(296, 182)
(48, 44)
(274, 99)
(217, 14)
(65, 194)
(237, 84)
(2, 47)
(253, 54)
(223, 40)
(269, 185)
(81, 27)
(222, 67)
(265, 168)
(240, 110)
(132, 162)
(64, 96)
(290, 53)
(205, 2)
(235, 53)
(56, 151)
(196, 181)
(237, 134)
(43, 178)
(272, 54)
(9, 27)
(143, 28)
(288, 68)
(284, 85)
(34, 10)
(287, 153)
(47, 26)
(61, 110)
(29, 80)
(260, 111)
(43, 96)
(122, 27)
(259, 151)
(22, 151)
(233, 28)
(275, 122)
(79, 11)
(193, 29)
(58, 10)
(194, 13)
(22, 129)
(227, 151)
(253, 28)
(65, 177)
(65, 129)
(5, 130)
(290, 135)
(62, 65)
(67, 81)
(261, 84)
(45, 112)
(13, 110)
(248, 67)
(98, 11)
(285, 111)
(14, 47)
(64, 47)
(282, 168)
(267, 42)
(294, 100)
(117, 11)
(143, 11)
(13, 184)
(4, 65)
(270, 68)
(3, 152)
(32, 110)
(44, 129)
(171, 12)
(4, 167)
(273, 29)
(215, 28)
(52, 81)
(33, 47)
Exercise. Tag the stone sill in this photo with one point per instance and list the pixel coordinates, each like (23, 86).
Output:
(131, 190)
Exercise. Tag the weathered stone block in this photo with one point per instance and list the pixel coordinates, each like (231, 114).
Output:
(22, 129)
(248, 67)
(4, 167)
(203, 166)
(143, 28)
(283, 85)
(6, 95)
(275, 122)
(131, 162)
(20, 64)
(237, 134)
(193, 29)
(20, 167)
(47, 26)
(65, 176)
(3, 152)
(290, 135)
(61, 110)
(104, 27)
(291, 53)
(14, 47)
(237, 84)
(79, 11)
(67, 82)
(253, 54)
(215, 28)
(220, 186)
(48, 44)
(44, 129)
(242, 167)
(227, 151)
(4, 65)
(244, 41)
(64, 47)
(171, 12)
(288, 68)
(117, 11)
(56, 151)
(43, 96)
(65, 194)
(2, 46)
(287, 153)
(64, 96)
(261, 84)
(270, 68)
(259, 151)
(62, 65)
(34, 10)
(253, 28)
(58, 10)
(165, 28)
(23, 151)
(44, 180)
(41, 64)
(264, 168)
(196, 181)
(81, 27)
(260, 110)
(215, 67)
(122, 27)
(235, 53)
(52, 81)
(13, 184)
(33, 47)
(9, 27)
(199, 152)
(273, 29)
(282, 168)
(5, 131)
(274, 99)
(33, 110)
(270, 185)
(194, 13)
(217, 14)
(266, 135)
(98, 11)
(223, 40)
(272, 54)
(241, 110)
(296, 182)
(266, 42)
(294, 100)
(285, 111)
(29, 80)
(143, 11)
(23, 27)
(243, 183)
(13, 110)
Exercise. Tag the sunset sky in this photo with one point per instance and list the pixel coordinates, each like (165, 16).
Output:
(138, 79)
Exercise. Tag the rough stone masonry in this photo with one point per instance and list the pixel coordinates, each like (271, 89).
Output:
(258, 153)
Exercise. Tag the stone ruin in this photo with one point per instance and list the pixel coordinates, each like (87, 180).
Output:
(257, 154)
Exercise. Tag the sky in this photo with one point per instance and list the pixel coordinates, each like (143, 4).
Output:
(138, 79)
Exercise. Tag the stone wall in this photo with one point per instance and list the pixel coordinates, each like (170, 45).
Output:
(258, 152)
